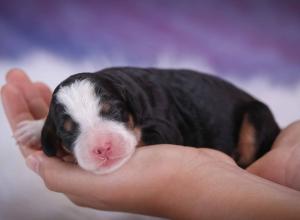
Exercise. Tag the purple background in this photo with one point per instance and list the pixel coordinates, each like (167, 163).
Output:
(254, 43)
(239, 38)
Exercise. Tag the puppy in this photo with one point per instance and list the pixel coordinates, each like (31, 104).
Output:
(101, 117)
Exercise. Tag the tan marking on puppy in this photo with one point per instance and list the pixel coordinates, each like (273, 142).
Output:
(68, 125)
(136, 130)
(66, 149)
(69, 159)
(138, 134)
(65, 154)
(247, 143)
(131, 123)
(105, 108)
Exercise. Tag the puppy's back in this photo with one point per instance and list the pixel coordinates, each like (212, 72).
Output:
(196, 109)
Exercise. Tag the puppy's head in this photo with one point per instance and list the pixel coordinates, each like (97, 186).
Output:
(90, 119)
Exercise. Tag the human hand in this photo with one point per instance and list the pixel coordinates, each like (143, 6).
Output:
(163, 180)
(282, 163)
(24, 100)
(145, 177)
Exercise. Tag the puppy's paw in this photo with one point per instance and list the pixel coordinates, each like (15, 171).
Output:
(29, 132)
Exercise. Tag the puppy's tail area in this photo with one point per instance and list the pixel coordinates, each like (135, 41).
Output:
(257, 133)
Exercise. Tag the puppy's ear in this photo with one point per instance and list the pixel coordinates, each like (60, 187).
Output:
(49, 139)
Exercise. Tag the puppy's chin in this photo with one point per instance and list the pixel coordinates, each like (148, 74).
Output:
(104, 166)
(111, 165)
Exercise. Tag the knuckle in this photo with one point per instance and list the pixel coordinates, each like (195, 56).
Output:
(76, 201)
(48, 179)
(49, 185)
(79, 203)
(72, 199)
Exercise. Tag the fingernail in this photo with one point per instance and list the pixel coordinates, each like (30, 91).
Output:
(33, 163)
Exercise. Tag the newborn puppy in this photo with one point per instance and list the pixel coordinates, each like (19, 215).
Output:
(102, 117)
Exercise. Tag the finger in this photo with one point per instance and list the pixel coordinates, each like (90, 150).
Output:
(17, 76)
(80, 201)
(15, 106)
(16, 110)
(60, 176)
(289, 137)
(77, 200)
(31, 93)
(90, 202)
(26, 150)
(281, 164)
(36, 103)
(68, 178)
(44, 91)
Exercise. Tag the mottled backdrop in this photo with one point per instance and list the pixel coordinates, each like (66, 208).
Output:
(235, 37)
(255, 44)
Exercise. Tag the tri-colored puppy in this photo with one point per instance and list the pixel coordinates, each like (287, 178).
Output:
(102, 117)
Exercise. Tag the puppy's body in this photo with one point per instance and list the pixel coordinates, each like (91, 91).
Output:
(156, 106)
(188, 108)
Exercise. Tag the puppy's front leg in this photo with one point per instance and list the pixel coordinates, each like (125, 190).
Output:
(29, 132)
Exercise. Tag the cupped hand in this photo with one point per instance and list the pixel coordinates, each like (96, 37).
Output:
(150, 174)
(157, 180)
(24, 100)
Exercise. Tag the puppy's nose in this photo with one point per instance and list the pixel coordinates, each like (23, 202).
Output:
(103, 151)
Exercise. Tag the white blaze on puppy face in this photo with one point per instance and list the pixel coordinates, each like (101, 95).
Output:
(102, 145)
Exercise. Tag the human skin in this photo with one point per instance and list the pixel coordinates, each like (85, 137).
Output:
(282, 163)
(165, 180)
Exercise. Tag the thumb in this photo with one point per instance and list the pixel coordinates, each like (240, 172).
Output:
(58, 176)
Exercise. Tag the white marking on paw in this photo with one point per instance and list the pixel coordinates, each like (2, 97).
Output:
(29, 132)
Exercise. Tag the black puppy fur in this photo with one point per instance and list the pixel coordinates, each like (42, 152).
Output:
(170, 106)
